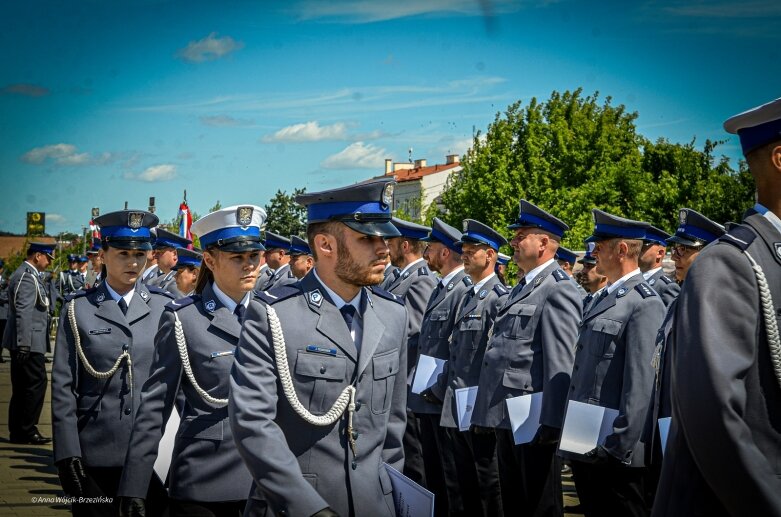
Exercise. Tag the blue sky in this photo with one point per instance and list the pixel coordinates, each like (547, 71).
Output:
(107, 102)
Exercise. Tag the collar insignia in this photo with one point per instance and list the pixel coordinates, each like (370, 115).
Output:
(483, 293)
(450, 286)
(100, 297)
(210, 305)
(315, 298)
(143, 294)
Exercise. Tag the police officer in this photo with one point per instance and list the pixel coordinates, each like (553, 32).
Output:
(165, 245)
(693, 233)
(443, 255)
(318, 388)
(278, 259)
(3, 305)
(613, 370)
(73, 279)
(301, 259)
(194, 353)
(566, 260)
(593, 283)
(726, 401)
(474, 450)
(390, 274)
(26, 337)
(414, 285)
(95, 265)
(102, 358)
(188, 266)
(531, 350)
(501, 268)
(651, 257)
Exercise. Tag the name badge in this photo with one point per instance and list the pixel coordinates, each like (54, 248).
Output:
(223, 354)
(321, 350)
(94, 332)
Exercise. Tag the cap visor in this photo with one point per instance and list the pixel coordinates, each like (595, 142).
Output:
(380, 229)
(587, 261)
(130, 245)
(242, 246)
(677, 239)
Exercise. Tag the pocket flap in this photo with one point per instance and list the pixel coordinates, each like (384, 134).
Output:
(440, 315)
(386, 364)
(525, 309)
(607, 326)
(517, 379)
(203, 428)
(321, 366)
(89, 402)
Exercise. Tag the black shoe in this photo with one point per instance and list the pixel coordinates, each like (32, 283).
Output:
(34, 439)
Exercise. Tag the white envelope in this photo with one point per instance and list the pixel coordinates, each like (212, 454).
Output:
(524, 413)
(411, 499)
(664, 431)
(426, 372)
(586, 426)
(165, 450)
(465, 404)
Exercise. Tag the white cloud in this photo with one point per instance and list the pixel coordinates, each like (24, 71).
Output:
(308, 132)
(357, 156)
(55, 218)
(209, 48)
(162, 172)
(65, 155)
(367, 11)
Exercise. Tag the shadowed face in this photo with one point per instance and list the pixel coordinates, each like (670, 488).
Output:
(360, 258)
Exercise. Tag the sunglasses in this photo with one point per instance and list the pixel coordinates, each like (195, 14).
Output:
(682, 249)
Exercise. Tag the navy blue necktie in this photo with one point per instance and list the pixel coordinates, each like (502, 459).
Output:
(122, 306)
(348, 313)
(239, 311)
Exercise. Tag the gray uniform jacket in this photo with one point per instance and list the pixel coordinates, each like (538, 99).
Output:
(28, 311)
(414, 287)
(70, 281)
(724, 447)
(301, 468)
(434, 338)
(473, 322)
(206, 465)
(282, 276)
(391, 275)
(264, 277)
(613, 363)
(162, 280)
(3, 299)
(531, 350)
(92, 418)
(667, 288)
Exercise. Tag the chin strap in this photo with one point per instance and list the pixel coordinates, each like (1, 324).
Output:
(345, 401)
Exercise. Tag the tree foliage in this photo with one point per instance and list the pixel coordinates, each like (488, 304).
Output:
(573, 153)
(285, 216)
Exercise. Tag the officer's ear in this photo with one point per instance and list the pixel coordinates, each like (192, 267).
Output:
(210, 259)
(325, 245)
(775, 158)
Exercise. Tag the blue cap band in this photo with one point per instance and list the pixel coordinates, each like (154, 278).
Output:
(444, 239)
(687, 231)
(480, 238)
(533, 220)
(300, 250)
(234, 232)
(754, 137)
(188, 261)
(125, 233)
(318, 212)
(162, 242)
(610, 230)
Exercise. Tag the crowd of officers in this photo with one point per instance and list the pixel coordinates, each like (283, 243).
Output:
(286, 364)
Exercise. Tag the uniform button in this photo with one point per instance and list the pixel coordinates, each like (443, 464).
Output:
(572, 388)
(390, 368)
(355, 465)
(127, 410)
(576, 367)
(322, 369)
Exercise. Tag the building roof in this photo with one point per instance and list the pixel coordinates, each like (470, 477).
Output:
(417, 173)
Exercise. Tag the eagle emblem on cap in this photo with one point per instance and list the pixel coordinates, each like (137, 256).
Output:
(387, 194)
(244, 215)
(682, 216)
(135, 220)
(466, 226)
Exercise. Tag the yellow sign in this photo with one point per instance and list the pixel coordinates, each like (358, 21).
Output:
(36, 223)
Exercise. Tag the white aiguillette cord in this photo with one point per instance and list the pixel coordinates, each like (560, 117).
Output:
(345, 401)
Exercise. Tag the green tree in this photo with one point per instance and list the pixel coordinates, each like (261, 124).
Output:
(285, 216)
(573, 153)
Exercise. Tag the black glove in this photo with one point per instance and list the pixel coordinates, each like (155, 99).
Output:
(22, 354)
(599, 456)
(72, 476)
(326, 512)
(546, 435)
(429, 396)
(132, 507)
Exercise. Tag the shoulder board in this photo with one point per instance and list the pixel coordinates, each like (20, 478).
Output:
(740, 236)
(500, 289)
(645, 290)
(560, 275)
(423, 271)
(156, 290)
(385, 294)
(467, 280)
(79, 294)
(278, 293)
(182, 302)
(666, 279)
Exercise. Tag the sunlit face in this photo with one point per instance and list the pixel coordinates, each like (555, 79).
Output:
(527, 244)
(396, 250)
(96, 260)
(475, 258)
(300, 265)
(123, 267)
(606, 253)
(234, 272)
(589, 278)
(434, 256)
(683, 257)
(275, 258)
(650, 254)
(73, 265)
(41, 261)
(186, 278)
(166, 258)
(360, 259)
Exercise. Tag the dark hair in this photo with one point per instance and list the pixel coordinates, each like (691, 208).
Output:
(205, 274)
(329, 228)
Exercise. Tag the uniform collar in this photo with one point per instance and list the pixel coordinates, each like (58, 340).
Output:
(529, 277)
(770, 216)
(410, 266)
(227, 301)
(479, 285)
(116, 296)
(450, 276)
(618, 283)
(651, 272)
(338, 301)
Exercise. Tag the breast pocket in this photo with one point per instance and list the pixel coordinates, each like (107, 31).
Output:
(385, 367)
(604, 332)
(440, 318)
(321, 366)
(472, 328)
(521, 316)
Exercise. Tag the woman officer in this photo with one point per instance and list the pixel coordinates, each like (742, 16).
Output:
(194, 353)
(102, 358)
